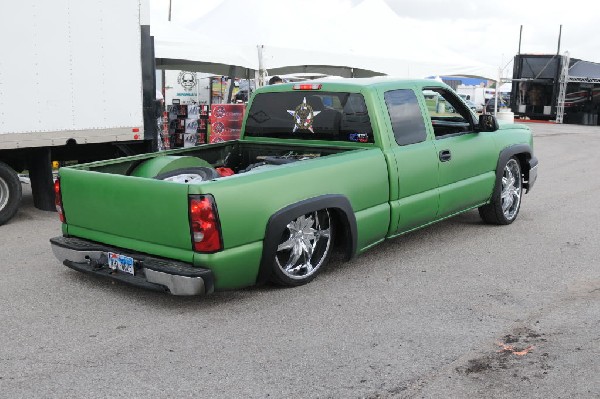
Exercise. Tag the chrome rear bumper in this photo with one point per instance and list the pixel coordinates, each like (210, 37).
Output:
(175, 277)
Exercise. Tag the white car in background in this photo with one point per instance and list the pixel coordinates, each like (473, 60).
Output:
(473, 106)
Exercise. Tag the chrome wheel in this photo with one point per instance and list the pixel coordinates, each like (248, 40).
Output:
(304, 246)
(511, 189)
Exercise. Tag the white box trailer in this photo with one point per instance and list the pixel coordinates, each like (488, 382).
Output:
(477, 94)
(77, 82)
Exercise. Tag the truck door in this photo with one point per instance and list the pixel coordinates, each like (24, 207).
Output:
(415, 202)
(466, 158)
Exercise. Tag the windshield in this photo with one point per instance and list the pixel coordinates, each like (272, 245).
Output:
(310, 116)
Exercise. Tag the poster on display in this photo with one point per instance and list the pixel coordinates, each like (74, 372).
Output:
(187, 87)
(190, 137)
(225, 131)
(187, 125)
(226, 122)
(193, 111)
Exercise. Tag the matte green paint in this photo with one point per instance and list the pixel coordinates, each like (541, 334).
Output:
(233, 268)
(460, 179)
(373, 225)
(127, 208)
(359, 175)
(466, 193)
(417, 177)
(153, 248)
(392, 189)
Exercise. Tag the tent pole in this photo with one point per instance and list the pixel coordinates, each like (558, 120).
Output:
(197, 89)
(231, 78)
(210, 91)
(497, 90)
(163, 75)
(261, 70)
(249, 85)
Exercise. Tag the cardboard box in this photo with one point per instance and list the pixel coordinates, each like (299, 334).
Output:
(191, 125)
(190, 139)
(193, 111)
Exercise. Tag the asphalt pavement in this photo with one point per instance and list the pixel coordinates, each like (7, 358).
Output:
(456, 310)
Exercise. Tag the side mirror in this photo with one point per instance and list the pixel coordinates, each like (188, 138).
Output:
(488, 123)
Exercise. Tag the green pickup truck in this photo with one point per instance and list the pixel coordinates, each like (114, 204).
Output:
(321, 166)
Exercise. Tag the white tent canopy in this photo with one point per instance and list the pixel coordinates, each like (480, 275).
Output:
(313, 36)
(177, 48)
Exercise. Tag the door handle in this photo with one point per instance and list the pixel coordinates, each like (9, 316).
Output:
(445, 155)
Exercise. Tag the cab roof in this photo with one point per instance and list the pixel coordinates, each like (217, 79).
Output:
(355, 84)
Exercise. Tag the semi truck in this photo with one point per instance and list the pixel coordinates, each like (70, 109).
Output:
(77, 83)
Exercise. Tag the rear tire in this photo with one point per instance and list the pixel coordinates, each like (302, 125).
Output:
(10, 193)
(304, 249)
(506, 199)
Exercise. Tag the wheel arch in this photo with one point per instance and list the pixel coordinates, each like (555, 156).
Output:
(523, 153)
(342, 213)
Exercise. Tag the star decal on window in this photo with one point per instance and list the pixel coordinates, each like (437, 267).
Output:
(303, 116)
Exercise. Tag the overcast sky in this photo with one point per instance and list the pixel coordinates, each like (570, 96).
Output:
(482, 30)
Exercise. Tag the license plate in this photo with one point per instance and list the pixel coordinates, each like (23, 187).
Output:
(120, 262)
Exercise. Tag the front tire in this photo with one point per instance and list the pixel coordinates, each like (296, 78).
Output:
(506, 199)
(304, 248)
(10, 193)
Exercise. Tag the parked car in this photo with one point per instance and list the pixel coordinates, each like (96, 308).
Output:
(490, 104)
(321, 166)
(473, 106)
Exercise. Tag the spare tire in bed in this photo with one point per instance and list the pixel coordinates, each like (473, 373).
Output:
(189, 175)
(167, 163)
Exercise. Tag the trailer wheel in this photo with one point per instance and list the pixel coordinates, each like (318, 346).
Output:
(10, 193)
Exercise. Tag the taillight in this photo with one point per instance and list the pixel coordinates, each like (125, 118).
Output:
(58, 201)
(204, 224)
(305, 86)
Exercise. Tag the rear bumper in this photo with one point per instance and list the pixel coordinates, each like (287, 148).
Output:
(177, 278)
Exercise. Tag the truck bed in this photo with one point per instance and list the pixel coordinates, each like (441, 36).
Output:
(113, 203)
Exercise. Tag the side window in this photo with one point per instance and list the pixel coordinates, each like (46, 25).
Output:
(407, 120)
(447, 112)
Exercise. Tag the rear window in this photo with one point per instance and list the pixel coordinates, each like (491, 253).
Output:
(310, 116)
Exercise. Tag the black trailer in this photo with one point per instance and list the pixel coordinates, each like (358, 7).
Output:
(555, 87)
